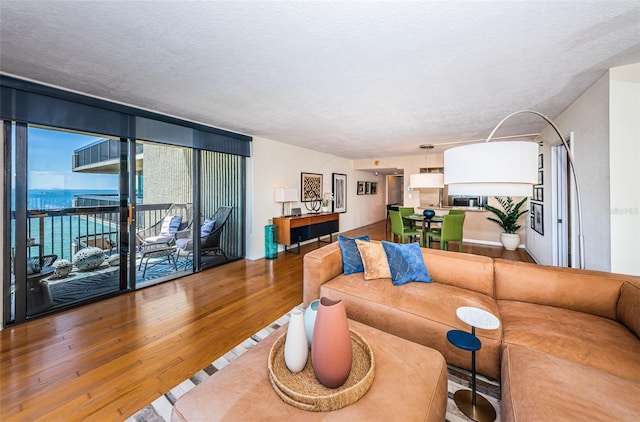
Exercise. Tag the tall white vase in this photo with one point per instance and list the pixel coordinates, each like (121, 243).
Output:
(310, 319)
(296, 349)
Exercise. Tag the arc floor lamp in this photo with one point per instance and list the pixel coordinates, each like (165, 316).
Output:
(504, 169)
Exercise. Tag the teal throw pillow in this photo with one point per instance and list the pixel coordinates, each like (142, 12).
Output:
(406, 263)
(351, 259)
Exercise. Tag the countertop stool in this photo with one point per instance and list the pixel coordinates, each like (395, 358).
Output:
(469, 402)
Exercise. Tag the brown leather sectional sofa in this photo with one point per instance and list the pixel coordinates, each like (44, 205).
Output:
(568, 347)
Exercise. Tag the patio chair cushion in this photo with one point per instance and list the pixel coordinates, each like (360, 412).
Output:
(185, 243)
(207, 227)
(170, 225)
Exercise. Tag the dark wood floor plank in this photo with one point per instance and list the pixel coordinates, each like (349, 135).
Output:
(109, 359)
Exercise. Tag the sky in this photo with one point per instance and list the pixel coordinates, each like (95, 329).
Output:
(49, 162)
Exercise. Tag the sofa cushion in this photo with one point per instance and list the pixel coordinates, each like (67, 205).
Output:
(467, 271)
(374, 260)
(593, 292)
(406, 263)
(540, 387)
(576, 336)
(351, 259)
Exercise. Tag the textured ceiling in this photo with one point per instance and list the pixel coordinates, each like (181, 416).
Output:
(354, 79)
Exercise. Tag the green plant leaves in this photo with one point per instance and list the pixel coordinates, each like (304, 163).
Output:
(508, 215)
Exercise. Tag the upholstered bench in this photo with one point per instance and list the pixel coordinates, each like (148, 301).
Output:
(410, 384)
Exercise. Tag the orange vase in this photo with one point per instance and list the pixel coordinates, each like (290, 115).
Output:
(331, 352)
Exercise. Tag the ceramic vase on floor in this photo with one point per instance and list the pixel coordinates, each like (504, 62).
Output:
(296, 349)
(310, 319)
(331, 351)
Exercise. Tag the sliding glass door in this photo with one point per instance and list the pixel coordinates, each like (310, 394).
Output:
(102, 198)
(68, 219)
(164, 212)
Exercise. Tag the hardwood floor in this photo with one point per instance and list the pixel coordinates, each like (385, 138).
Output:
(107, 360)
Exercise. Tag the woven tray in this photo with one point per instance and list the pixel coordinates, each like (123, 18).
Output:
(303, 390)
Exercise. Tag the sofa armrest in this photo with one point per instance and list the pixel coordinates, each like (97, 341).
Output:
(629, 306)
(320, 266)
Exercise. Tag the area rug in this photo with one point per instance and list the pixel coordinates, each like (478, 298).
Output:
(82, 285)
(161, 408)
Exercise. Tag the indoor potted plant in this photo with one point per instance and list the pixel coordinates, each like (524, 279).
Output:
(508, 220)
(326, 200)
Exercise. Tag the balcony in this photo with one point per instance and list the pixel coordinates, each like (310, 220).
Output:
(102, 156)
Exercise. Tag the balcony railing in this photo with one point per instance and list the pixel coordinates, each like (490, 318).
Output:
(64, 231)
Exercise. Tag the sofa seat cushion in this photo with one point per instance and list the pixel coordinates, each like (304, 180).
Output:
(576, 336)
(420, 312)
(537, 386)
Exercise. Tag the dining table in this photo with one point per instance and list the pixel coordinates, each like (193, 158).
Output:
(426, 223)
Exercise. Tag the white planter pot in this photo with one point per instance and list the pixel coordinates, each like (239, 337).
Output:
(510, 241)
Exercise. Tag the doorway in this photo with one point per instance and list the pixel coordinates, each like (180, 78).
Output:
(395, 190)
(562, 196)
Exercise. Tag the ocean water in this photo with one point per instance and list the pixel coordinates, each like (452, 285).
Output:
(59, 234)
(43, 199)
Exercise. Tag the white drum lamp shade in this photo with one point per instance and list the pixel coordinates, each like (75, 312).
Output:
(426, 180)
(492, 168)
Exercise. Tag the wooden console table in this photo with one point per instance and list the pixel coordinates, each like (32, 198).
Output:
(292, 230)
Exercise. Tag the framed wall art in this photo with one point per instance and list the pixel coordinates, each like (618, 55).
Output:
(367, 188)
(339, 192)
(537, 222)
(360, 188)
(540, 161)
(538, 193)
(374, 188)
(310, 187)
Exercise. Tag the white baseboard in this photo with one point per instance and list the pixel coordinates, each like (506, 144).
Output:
(488, 242)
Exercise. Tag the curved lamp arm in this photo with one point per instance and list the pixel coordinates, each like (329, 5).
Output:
(573, 171)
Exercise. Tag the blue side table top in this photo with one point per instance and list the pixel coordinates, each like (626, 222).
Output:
(464, 340)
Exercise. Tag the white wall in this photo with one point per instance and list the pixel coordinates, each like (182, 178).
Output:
(588, 118)
(624, 158)
(274, 164)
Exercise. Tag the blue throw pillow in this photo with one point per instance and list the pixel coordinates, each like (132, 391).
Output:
(406, 263)
(207, 227)
(351, 259)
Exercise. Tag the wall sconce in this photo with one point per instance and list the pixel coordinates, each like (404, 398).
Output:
(285, 195)
(428, 181)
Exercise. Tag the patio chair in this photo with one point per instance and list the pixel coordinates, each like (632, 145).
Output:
(210, 233)
(178, 217)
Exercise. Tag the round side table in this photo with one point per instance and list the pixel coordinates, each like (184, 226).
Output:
(469, 402)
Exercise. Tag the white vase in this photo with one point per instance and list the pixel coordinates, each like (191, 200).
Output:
(325, 209)
(510, 241)
(310, 319)
(296, 349)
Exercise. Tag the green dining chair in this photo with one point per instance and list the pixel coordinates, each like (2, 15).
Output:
(398, 228)
(405, 211)
(439, 229)
(451, 231)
